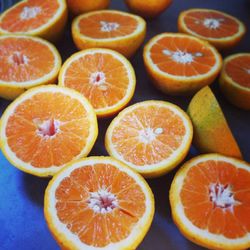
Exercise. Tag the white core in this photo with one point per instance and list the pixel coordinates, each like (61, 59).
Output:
(102, 201)
(18, 59)
(212, 23)
(30, 12)
(97, 78)
(47, 128)
(147, 135)
(248, 71)
(109, 26)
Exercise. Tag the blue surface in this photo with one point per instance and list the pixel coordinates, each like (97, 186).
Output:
(22, 224)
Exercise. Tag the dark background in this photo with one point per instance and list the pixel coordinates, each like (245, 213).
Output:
(22, 224)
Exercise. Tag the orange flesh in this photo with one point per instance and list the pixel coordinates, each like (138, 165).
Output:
(53, 146)
(238, 69)
(229, 221)
(126, 136)
(95, 228)
(92, 25)
(199, 65)
(26, 17)
(195, 22)
(100, 77)
(23, 59)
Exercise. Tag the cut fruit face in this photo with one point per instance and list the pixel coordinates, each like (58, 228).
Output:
(211, 25)
(32, 16)
(98, 203)
(46, 128)
(109, 29)
(104, 77)
(152, 137)
(209, 198)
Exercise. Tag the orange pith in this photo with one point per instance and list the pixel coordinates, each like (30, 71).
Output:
(215, 196)
(122, 203)
(211, 23)
(106, 25)
(103, 76)
(29, 15)
(238, 69)
(182, 56)
(23, 59)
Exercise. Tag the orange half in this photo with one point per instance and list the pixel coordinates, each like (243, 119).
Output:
(46, 128)
(210, 202)
(104, 77)
(98, 203)
(220, 29)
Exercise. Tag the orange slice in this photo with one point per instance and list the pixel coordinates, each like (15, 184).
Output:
(44, 18)
(46, 128)
(152, 137)
(218, 28)
(26, 62)
(110, 29)
(212, 133)
(210, 202)
(104, 77)
(180, 64)
(77, 7)
(235, 80)
(98, 203)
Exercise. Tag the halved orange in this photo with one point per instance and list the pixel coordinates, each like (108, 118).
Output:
(110, 29)
(104, 77)
(210, 202)
(44, 18)
(47, 127)
(98, 203)
(220, 29)
(180, 64)
(26, 62)
(235, 80)
(152, 137)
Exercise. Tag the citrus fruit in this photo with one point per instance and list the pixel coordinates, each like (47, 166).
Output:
(103, 76)
(98, 203)
(218, 28)
(180, 64)
(211, 130)
(210, 202)
(110, 29)
(44, 18)
(77, 7)
(235, 80)
(47, 127)
(26, 62)
(149, 8)
(152, 137)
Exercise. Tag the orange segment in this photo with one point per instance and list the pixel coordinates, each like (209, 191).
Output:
(180, 64)
(235, 80)
(105, 77)
(220, 29)
(89, 204)
(210, 196)
(111, 29)
(35, 17)
(152, 137)
(46, 128)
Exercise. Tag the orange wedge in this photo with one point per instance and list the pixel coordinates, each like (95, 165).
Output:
(47, 127)
(210, 199)
(44, 18)
(26, 62)
(212, 133)
(104, 77)
(218, 28)
(110, 29)
(180, 64)
(98, 203)
(235, 80)
(152, 137)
